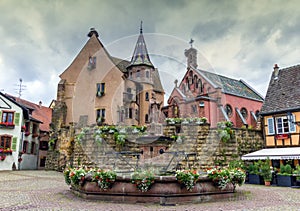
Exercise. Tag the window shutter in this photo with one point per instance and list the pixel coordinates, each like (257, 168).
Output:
(292, 124)
(14, 144)
(17, 119)
(270, 126)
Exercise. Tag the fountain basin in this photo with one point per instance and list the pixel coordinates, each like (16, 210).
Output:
(165, 190)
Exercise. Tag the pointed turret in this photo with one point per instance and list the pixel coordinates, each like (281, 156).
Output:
(140, 55)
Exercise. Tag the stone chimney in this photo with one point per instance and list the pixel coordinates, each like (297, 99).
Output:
(276, 71)
(93, 31)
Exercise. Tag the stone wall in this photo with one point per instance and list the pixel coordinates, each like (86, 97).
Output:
(195, 145)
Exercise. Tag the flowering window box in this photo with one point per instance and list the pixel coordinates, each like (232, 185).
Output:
(5, 151)
(9, 125)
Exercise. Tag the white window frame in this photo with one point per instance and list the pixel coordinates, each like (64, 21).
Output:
(282, 128)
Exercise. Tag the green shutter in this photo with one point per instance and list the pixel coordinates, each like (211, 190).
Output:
(17, 119)
(14, 144)
(0, 116)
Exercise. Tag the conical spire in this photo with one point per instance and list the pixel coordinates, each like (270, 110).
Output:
(140, 55)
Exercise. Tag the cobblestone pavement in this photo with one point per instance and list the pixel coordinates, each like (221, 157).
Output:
(46, 190)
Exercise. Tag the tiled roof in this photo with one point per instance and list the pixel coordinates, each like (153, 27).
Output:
(140, 55)
(284, 92)
(231, 86)
(157, 86)
(120, 63)
(39, 113)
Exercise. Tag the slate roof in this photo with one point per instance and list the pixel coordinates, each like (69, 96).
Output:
(140, 55)
(231, 86)
(284, 92)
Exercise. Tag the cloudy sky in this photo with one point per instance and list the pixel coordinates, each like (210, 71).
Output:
(238, 39)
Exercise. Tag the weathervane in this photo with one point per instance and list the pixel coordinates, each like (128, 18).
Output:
(191, 42)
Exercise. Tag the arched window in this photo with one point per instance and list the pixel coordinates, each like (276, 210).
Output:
(147, 96)
(146, 118)
(244, 113)
(200, 85)
(196, 81)
(228, 110)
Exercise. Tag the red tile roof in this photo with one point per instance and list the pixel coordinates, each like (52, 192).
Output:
(40, 112)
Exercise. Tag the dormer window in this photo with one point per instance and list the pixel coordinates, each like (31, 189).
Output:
(244, 113)
(92, 63)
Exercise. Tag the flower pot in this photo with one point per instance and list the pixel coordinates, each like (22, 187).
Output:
(285, 180)
(255, 179)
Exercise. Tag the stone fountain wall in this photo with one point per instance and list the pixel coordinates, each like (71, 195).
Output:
(200, 146)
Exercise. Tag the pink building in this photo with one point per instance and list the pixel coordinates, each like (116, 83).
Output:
(218, 98)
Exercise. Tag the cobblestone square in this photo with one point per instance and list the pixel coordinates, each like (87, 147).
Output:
(46, 190)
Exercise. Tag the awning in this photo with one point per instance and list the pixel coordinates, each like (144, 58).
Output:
(287, 153)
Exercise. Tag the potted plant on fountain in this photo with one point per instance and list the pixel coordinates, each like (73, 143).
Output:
(285, 177)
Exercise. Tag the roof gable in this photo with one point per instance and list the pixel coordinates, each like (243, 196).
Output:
(284, 92)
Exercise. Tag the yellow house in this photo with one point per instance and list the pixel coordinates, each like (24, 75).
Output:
(100, 89)
(281, 117)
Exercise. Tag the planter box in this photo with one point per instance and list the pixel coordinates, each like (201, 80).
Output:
(285, 181)
(255, 179)
(166, 191)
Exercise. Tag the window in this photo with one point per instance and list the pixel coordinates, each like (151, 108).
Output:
(147, 96)
(130, 113)
(32, 150)
(100, 115)
(228, 110)
(244, 113)
(5, 142)
(92, 63)
(284, 126)
(147, 74)
(138, 73)
(44, 145)
(194, 108)
(270, 126)
(25, 146)
(35, 130)
(100, 89)
(27, 131)
(200, 85)
(7, 118)
(146, 118)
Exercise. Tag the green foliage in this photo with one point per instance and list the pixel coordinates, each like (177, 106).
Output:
(286, 170)
(143, 179)
(223, 176)
(188, 178)
(225, 130)
(74, 176)
(194, 120)
(296, 172)
(266, 170)
(237, 164)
